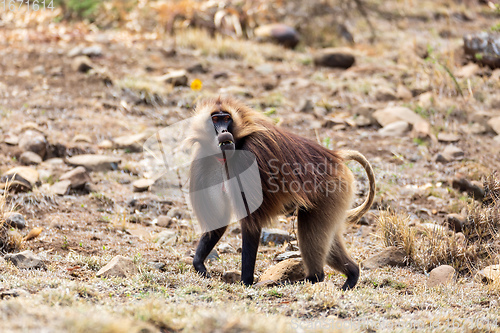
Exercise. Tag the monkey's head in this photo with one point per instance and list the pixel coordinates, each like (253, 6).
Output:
(221, 124)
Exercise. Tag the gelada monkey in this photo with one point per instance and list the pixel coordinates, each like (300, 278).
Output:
(291, 172)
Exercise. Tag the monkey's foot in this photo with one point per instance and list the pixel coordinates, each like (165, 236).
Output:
(318, 277)
(201, 270)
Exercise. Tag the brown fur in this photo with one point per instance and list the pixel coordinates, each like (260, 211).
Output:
(295, 172)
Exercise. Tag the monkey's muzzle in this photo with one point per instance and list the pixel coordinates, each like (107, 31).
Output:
(226, 141)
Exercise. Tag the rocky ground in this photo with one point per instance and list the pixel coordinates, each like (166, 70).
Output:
(77, 104)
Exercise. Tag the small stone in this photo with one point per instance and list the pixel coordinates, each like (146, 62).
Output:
(197, 68)
(448, 137)
(11, 140)
(14, 220)
(452, 152)
(119, 266)
(34, 141)
(494, 123)
(334, 57)
(422, 130)
(474, 190)
(30, 158)
(39, 70)
(289, 270)
(396, 113)
(82, 64)
(175, 78)
(105, 144)
(213, 255)
(363, 121)
(279, 33)
(142, 185)
(441, 275)
(397, 129)
(26, 176)
(467, 71)
(78, 177)
(18, 292)
(133, 143)
(166, 238)
(455, 222)
(82, 138)
(490, 274)
(274, 236)
(178, 213)
(34, 233)
(164, 221)
(61, 188)
(404, 93)
(497, 139)
(390, 256)
(157, 265)
(287, 255)
(385, 94)
(93, 162)
(225, 248)
(231, 277)
(25, 260)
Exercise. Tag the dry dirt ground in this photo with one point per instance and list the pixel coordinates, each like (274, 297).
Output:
(82, 231)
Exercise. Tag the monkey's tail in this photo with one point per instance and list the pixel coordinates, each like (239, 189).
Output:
(353, 215)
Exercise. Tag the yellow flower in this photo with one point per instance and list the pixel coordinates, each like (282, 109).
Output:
(196, 84)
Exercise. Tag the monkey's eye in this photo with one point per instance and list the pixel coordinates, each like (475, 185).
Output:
(221, 119)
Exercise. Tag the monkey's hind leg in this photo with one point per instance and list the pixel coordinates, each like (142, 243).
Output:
(206, 244)
(339, 259)
(315, 232)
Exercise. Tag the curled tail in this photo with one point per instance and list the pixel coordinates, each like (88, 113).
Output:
(353, 215)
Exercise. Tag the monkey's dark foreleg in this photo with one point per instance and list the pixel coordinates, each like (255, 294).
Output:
(251, 237)
(206, 244)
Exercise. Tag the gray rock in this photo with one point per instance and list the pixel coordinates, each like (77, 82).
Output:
(25, 260)
(483, 48)
(78, 177)
(334, 57)
(278, 33)
(91, 51)
(157, 265)
(440, 276)
(397, 129)
(33, 141)
(289, 270)
(231, 277)
(93, 162)
(225, 248)
(287, 255)
(274, 236)
(390, 256)
(175, 78)
(396, 113)
(14, 220)
(30, 158)
(119, 266)
(82, 64)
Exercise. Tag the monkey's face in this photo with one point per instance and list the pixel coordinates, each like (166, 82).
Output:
(223, 124)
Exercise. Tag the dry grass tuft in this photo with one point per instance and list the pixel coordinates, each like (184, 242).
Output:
(477, 246)
(10, 240)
